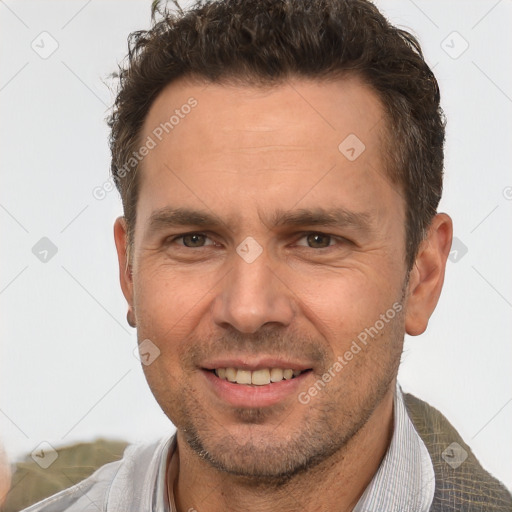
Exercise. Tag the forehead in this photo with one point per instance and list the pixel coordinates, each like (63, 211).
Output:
(310, 111)
(243, 148)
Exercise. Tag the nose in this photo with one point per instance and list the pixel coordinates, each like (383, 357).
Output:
(252, 295)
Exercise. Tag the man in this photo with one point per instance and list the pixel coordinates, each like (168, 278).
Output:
(280, 165)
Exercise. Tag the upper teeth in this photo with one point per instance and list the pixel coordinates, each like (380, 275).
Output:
(257, 377)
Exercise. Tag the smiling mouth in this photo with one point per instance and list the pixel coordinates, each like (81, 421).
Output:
(261, 377)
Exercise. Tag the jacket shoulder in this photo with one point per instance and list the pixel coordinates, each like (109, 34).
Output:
(80, 468)
(461, 482)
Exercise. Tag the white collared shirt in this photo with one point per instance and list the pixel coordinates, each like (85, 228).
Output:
(405, 480)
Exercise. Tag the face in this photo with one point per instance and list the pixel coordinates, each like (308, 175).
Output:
(262, 245)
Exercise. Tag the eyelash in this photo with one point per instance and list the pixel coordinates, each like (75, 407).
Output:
(303, 235)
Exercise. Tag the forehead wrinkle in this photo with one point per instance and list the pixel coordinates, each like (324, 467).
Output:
(273, 147)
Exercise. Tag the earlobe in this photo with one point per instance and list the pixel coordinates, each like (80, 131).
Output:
(125, 269)
(427, 276)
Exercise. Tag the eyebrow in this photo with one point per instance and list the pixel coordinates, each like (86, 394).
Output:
(323, 217)
(177, 217)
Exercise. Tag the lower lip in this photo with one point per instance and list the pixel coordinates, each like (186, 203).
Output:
(244, 395)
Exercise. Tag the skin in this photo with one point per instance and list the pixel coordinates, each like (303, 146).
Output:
(5, 475)
(242, 154)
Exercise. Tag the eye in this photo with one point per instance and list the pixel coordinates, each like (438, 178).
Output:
(317, 240)
(191, 240)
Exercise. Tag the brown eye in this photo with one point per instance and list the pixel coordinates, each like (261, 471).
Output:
(318, 240)
(193, 240)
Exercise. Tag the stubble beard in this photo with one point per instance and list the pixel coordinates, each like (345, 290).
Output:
(325, 431)
(272, 463)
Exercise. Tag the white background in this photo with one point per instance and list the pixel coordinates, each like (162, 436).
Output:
(67, 369)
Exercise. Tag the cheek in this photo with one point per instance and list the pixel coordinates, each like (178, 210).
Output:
(338, 303)
(345, 301)
(171, 306)
(165, 298)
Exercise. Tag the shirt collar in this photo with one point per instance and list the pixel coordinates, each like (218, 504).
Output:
(405, 479)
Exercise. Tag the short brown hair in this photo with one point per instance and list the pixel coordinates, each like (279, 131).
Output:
(270, 41)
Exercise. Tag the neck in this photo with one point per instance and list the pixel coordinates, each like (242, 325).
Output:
(337, 483)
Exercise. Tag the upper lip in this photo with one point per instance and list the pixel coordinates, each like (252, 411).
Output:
(253, 364)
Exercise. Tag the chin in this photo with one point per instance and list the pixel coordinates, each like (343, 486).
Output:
(267, 455)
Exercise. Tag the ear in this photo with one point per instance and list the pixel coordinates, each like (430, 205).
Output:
(427, 275)
(125, 268)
